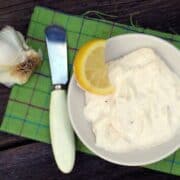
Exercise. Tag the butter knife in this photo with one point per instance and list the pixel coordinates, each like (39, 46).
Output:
(62, 136)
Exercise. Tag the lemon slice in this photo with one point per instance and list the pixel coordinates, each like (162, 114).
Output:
(90, 70)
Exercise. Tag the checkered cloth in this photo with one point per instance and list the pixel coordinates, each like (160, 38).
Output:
(27, 113)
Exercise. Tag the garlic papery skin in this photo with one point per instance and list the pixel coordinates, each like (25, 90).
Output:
(17, 59)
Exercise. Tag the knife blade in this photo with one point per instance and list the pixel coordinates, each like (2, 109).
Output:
(62, 137)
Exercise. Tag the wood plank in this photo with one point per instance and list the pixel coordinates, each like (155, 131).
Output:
(35, 161)
(157, 14)
(10, 141)
(4, 94)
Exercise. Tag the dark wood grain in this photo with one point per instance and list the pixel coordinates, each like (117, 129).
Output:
(162, 15)
(4, 94)
(36, 161)
(25, 159)
(8, 141)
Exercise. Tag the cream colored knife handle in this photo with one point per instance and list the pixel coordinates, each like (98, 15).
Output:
(62, 136)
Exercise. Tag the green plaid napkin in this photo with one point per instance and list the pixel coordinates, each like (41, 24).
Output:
(27, 113)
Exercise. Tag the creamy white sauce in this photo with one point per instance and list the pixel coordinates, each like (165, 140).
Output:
(144, 110)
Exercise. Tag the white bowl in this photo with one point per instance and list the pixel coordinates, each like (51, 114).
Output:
(119, 46)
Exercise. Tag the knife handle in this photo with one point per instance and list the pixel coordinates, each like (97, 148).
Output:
(62, 136)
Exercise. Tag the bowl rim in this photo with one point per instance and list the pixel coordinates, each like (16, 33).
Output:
(72, 79)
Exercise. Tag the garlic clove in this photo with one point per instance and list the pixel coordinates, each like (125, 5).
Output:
(21, 38)
(20, 73)
(17, 59)
(11, 36)
(8, 80)
(23, 70)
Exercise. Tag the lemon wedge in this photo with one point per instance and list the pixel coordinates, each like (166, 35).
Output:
(90, 69)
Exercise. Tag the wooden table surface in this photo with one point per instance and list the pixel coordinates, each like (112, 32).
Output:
(25, 159)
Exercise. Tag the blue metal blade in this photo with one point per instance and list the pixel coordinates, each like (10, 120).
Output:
(57, 52)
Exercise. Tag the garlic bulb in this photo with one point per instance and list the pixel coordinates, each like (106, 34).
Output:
(17, 59)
